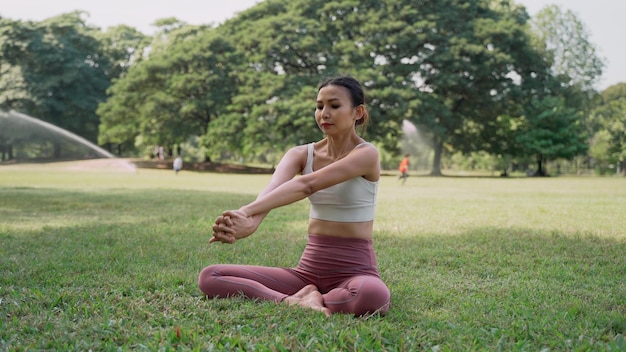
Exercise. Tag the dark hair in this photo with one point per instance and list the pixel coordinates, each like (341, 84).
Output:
(356, 93)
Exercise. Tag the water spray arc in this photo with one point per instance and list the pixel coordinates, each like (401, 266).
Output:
(418, 144)
(18, 130)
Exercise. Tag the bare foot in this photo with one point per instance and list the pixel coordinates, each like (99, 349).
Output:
(308, 297)
(315, 301)
(302, 293)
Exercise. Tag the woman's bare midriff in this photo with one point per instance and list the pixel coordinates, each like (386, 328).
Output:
(341, 229)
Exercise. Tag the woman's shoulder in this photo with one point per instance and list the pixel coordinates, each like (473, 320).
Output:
(367, 146)
(298, 151)
(302, 148)
(365, 143)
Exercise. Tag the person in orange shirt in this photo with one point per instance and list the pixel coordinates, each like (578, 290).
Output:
(404, 168)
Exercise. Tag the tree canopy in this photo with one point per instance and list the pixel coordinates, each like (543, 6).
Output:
(476, 75)
(58, 70)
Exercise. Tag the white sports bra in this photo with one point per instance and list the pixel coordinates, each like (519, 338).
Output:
(350, 201)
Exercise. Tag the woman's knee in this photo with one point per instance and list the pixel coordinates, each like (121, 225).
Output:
(206, 278)
(360, 296)
(374, 297)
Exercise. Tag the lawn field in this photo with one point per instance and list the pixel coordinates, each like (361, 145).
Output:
(103, 257)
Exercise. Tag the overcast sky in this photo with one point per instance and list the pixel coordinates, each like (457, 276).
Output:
(604, 19)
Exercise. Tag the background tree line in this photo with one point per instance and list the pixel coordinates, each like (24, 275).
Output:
(476, 76)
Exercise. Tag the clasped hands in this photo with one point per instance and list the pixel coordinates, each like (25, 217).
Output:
(231, 226)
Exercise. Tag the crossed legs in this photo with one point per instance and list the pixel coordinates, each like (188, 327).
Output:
(358, 295)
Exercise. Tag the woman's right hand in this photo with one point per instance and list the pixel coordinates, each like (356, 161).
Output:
(231, 226)
(240, 223)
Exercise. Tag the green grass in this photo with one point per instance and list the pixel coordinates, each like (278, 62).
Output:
(109, 261)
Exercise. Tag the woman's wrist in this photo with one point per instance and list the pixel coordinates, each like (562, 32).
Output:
(245, 211)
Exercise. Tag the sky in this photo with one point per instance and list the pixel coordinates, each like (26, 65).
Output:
(603, 19)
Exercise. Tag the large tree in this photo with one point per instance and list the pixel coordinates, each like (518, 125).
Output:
(449, 67)
(463, 72)
(57, 71)
(174, 93)
(274, 102)
(556, 116)
(463, 63)
(565, 43)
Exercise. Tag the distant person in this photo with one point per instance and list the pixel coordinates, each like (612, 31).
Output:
(178, 164)
(160, 152)
(404, 168)
(337, 272)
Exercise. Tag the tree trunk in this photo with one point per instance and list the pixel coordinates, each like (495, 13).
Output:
(438, 148)
(540, 170)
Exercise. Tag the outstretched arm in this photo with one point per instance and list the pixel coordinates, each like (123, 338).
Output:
(360, 162)
(233, 225)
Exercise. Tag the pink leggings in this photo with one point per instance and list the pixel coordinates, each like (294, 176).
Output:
(343, 269)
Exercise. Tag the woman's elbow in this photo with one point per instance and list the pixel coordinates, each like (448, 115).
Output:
(306, 188)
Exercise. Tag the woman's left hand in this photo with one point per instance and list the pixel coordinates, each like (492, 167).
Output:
(223, 230)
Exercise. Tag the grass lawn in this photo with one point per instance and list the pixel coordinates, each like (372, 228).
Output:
(94, 259)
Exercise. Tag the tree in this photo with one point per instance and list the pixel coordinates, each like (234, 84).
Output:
(174, 93)
(575, 67)
(565, 43)
(458, 70)
(608, 123)
(551, 130)
(59, 71)
(444, 65)
(123, 46)
(461, 64)
(273, 105)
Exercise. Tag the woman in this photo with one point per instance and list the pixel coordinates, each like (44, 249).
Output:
(337, 272)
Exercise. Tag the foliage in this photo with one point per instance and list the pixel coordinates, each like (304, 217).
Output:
(557, 103)
(552, 130)
(443, 65)
(566, 45)
(58, 71)
(608, 120)
(274, 103)
(476, 76)
(123, 46)
(184, 84)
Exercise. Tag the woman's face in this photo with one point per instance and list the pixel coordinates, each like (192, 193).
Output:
(334, 113)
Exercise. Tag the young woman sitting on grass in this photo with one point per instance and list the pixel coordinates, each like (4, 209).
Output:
(337, 273)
